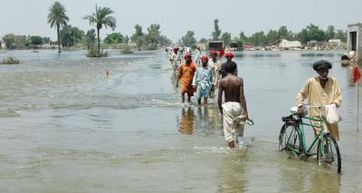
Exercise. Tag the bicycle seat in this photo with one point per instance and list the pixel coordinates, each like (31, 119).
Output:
(291, 120)
(294, 110)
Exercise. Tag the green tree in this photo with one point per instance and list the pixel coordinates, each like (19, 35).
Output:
(164, 41)
(284, 33)
(153, 36)
(203, 41)
(315, 33)
(102, 17)
(189, 39)
(114, 38)
(330, 32)
(57, 18)
(243, 38)
(311, 32)
(71, 35)
(46, 40)
(226, 37)
(342, 35)
(272, 37)
(9, 40)
(303, 36)
(90, 38)
(36, 40)
(258, 39)
(217, 31)
(237, 43)
(138, 37)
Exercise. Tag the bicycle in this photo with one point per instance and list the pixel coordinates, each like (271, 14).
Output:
(292, 139)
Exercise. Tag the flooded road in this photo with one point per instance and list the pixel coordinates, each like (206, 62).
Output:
(66, 127)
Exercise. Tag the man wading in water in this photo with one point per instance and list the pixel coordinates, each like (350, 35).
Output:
(235, 104)
(229, 59)
(186, 74)
(202, 81)
(215, 66)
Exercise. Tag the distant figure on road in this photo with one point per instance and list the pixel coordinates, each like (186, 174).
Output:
(173, 58)
(108, 74)
(197, 57)
(215, 66)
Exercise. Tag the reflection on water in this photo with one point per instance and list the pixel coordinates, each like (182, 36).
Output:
(234, 176)
(202, 120)
(187, 121)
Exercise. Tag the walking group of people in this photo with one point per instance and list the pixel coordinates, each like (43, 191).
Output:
(211, 75)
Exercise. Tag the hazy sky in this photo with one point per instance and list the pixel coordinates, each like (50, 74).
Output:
(29, 17)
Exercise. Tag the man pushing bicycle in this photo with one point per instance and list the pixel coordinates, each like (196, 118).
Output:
(321, 91)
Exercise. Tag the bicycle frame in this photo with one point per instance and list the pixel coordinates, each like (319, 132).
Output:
(292, 138)
(307, 121)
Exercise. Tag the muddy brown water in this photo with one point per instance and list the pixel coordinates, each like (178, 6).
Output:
(66, 127)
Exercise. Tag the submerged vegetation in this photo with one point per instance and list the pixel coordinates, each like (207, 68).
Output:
(127, 50)
(93, 52)
(10, 60)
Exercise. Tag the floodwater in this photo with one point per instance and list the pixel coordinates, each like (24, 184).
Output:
(66, 127)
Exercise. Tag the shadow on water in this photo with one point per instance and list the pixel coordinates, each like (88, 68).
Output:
(314, 54)
(256, 55)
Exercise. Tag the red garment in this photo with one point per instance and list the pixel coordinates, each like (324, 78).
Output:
(356, 74)
(204, 57)
(187, 55)
(222, 52)
(186, 73)
(229, 55)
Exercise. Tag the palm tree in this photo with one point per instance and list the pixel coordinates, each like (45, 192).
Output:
(101, 17)
(57, 18)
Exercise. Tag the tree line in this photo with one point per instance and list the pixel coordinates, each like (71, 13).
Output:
(272, 37)
(70, 36)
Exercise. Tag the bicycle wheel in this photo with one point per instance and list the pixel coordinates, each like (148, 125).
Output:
(289, 138)
(328, 153)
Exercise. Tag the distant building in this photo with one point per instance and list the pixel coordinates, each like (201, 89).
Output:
(335, 42)
(285, 44)
(248, 47)
(215, 45)
(354, 40)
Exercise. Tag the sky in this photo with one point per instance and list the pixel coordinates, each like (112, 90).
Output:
(29, 17)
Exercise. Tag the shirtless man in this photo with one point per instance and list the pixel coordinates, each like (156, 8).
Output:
(235, 104)
(229, 58)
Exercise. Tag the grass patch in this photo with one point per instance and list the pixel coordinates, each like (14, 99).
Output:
(93, 53)
(10, 60)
